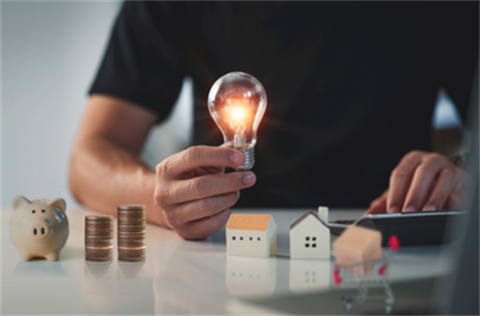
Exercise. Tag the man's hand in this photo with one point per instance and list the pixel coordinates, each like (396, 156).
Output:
(422, 181)
(193, 192)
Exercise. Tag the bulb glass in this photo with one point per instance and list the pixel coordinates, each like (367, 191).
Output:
(237, 102)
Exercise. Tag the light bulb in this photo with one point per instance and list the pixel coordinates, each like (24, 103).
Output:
(237, 102)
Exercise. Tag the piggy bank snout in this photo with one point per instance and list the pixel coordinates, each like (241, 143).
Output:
(40, 229)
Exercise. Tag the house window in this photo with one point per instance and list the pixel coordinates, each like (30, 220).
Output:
(307, 245)
(241, 238)
(314, 238)
(314, 245)
(233, 237)
(251, 238)
(258, 238)
(307, 238)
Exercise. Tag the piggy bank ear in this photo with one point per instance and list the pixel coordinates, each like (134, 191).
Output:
(59, 203)
(19, 201)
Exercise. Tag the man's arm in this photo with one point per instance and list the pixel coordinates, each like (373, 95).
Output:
(105, 169)
(188, 192)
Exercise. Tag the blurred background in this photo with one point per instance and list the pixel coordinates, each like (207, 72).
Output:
(50, 54)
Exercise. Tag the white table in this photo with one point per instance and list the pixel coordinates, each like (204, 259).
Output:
(178, 277)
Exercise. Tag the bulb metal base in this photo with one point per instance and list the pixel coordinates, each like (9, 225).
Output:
(249, 159)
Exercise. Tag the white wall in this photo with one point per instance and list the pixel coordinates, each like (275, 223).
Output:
(50, 54)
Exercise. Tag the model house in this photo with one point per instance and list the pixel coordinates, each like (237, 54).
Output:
(251, 235)
(356, 245)
(309, 238)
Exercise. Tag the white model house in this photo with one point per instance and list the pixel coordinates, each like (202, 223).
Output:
(251, 235)
(309, 238)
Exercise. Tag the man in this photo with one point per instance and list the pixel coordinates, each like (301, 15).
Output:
(351, 89)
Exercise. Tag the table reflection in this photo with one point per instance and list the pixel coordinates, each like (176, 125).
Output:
(39, 267)
(99, 282)
(251, 276)
(188, 279)
(310, 275)
(132, 279)
(98, 277)
(117, 287)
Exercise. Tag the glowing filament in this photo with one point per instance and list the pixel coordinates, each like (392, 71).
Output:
(238, 113)
(238, 117)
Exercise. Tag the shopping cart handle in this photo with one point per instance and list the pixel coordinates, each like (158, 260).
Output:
(393, 242)
(336, 276)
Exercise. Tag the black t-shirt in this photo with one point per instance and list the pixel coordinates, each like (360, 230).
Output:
(351, 85)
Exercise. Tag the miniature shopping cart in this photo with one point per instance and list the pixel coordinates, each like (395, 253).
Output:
(368, 275)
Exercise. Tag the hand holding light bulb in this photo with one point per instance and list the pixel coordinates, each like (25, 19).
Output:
(192, 192)
(237, 102)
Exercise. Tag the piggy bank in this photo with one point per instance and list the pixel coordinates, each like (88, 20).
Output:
(38, 229)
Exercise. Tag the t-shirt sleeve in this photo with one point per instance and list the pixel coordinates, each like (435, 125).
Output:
(141, 63)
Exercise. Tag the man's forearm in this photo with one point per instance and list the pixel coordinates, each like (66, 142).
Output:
(104, 175)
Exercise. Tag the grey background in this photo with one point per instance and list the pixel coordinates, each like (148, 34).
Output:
(50, 54)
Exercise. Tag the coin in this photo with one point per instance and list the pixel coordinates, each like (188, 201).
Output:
(99, 255)
(98, 244)
(98, 237)
(131, 255)
(131, 232)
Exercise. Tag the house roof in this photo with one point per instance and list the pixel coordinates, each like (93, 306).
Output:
(305, 215)
(249, 221)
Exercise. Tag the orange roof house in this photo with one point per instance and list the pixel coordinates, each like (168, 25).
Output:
(251, 235)
(249, 221)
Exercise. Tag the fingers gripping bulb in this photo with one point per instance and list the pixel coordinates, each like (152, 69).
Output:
(237, 102)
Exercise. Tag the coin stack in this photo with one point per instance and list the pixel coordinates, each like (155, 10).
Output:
(98, 237)
(131, 232)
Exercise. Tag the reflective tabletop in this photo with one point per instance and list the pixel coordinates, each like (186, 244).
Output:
(178, 276)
